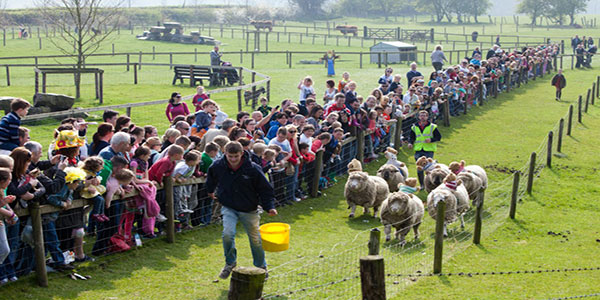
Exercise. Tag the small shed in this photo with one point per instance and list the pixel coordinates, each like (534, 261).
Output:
(399, 52)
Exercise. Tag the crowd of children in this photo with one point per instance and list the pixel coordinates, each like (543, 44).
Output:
(283, 140)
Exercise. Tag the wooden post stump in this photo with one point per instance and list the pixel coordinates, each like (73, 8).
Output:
(515, 191)
(561, 125)
(38, 240)
(478, 220)
(246, 283)
(169, 208)
(531, 172)
(570, 119)
(579, 108)
(374, 239)
(372, 277)
(360, 144)
(398, 134)
(549, 150)
(439, 237)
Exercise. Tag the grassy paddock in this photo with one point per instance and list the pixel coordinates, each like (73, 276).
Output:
(499, 135)
(194, 260)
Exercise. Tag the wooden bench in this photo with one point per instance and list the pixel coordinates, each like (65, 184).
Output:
(193, 73)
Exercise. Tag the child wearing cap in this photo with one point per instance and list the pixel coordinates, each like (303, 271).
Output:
(64, 199)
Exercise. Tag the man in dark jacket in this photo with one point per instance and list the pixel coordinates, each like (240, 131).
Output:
(240, 187)
(560, 82)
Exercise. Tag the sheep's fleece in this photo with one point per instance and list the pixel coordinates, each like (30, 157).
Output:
(403, 212)
(366, 191)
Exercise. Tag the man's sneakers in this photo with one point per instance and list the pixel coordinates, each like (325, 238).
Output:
(226, 271)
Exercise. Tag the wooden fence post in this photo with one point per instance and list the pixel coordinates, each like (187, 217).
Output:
(135, 75)
(252, 62)
(570, 119)
(447, 113)
(253, 90)
(597, 87)
(593, 92)
(531, 172)
(398, 134)
(269, 90)
(439, 237)
(38, 240)
(587, 100)
(7, 76)
(374, 239)
(246, 283)
(239, 98)
(314, 190)
(480, 93)
(579, 108)
(379, 60)
(561, 125)
(372, 277)
(169, 208)
(515, 191)
(478, 220)
(290, 61)
(549, 150)
(360, 144)
(170, 60)
(128, 111)
(360, 56)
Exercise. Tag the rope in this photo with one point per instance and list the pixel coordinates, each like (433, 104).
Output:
(519, 272)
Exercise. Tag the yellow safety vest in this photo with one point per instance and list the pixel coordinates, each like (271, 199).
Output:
(427, 133)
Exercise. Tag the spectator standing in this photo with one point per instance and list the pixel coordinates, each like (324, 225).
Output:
(9, 125)
(413, 73)
(110, 116)
(240, 186)
(575, 42)
(101, 139)
(215, 57)
(438, 58)
(176, 107)
(559, 82)
(306, 89)
(579, 52)
(199, 97)
(423, 135)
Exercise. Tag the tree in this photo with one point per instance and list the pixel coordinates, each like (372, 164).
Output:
(385, 7)
(477, 8)
(533, 8)
(439, 7)
(308, 8)
(83, 26)
(574, 7)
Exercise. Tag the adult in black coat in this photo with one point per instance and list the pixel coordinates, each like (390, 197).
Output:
(560, 82)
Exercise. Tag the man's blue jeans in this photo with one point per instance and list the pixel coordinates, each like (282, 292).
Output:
(52, 243)
(250, 221)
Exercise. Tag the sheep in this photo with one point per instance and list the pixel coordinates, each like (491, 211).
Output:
(474, 178)
(392, 175)
(366, 191)
(456, 197)
(403, 212)
(393, 171)
(434, 172)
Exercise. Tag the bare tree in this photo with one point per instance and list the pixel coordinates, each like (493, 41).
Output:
(83, 26)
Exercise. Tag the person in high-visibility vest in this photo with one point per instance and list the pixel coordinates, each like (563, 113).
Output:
(423, 138)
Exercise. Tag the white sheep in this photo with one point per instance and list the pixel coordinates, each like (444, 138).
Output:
(455, 197)
(473, 177)
(366, 191)
(403, 212)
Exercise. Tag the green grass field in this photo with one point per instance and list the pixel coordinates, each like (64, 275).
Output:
(325, 244)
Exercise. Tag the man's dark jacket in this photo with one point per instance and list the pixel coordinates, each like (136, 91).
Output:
(243, 189)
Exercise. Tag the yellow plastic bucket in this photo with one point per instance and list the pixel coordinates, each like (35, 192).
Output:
(275, 236)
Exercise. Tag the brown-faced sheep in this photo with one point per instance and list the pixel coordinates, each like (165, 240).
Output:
(366, 191)
(474, 179)
(434, 172)
(455, 195)
(403, 212)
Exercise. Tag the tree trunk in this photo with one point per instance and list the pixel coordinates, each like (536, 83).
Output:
(572, 16)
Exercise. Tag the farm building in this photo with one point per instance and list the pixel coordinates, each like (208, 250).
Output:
(399, 52)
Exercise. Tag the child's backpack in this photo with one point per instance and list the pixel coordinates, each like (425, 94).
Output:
(118, 244)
